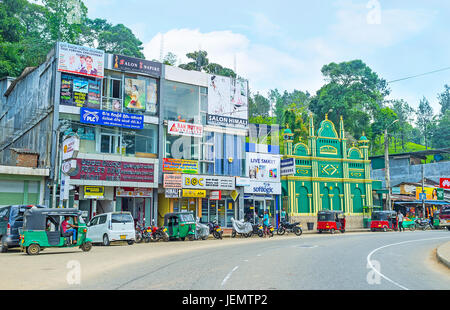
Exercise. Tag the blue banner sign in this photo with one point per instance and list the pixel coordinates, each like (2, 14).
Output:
(110, 118)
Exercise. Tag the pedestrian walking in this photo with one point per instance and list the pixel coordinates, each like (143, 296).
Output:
(400, 221)
(266, 222)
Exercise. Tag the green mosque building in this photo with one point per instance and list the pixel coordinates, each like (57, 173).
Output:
(329, 175)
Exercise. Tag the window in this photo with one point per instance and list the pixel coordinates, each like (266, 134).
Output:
(102, 219)
(181, 102)
(94, 221)
(181, 147)
(121, 218)
(110, 141)
(112, 92)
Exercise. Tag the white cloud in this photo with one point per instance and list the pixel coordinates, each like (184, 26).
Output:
(264, 66)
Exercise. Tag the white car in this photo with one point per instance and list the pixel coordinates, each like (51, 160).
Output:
(108, 227)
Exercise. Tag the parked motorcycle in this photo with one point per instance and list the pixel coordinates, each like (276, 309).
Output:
(240, 227)
(158, 233)
(257, 229)
(270, 230)
(424, 224)
(139, 230)
(288, 227)
(215, 229)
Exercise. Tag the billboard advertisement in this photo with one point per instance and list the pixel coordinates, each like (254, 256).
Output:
(263, 167)
(432, 193)
(135, 94)
(80, 91)
(137, 65)
(227, 102)
(208, 182)
(180, 165)
(80, 60)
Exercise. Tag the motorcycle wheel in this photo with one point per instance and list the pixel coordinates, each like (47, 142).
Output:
(281, 231)
(216, 235)
(271, 234)
(298, 231)
(233, 233)
(147, 239)
(191, 238)
(249, 235)
(412, 227)
(260, 233)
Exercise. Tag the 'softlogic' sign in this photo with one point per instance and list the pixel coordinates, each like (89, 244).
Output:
(268, 188)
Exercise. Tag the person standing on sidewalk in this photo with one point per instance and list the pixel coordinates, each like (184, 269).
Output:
(400, 221)
(266, 223)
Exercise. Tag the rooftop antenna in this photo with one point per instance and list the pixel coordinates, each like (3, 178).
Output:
(161, 51)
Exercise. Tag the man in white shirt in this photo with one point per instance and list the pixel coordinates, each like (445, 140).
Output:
(400, 221)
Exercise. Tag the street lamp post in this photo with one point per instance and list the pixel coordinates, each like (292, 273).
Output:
(386, 164)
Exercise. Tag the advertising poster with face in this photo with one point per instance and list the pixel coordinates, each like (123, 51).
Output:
(80, 60)
(135, 96)
(219, 95)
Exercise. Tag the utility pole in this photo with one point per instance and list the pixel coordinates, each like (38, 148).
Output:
(386, 166)
(386, 170)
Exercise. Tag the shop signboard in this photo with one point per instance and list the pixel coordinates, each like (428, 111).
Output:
(80, 60)
(69, 166)
(133, 192)
(80, 91)
(215, 195)
(110, 118)
(194, 193)
(71, 147)
(208, 182)
(184, 129)
(107, 170)
(94, 192)
(172, 193)
(172, 181)
(432, 193)
(227, 102)
(444, 183)
(180, 165)
(263, 167)
(131, 64)
(242, 181)
(265, 188)
(287, 166)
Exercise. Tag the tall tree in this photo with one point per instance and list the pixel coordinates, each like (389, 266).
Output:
(200, 62)
(425, 120)
(258, 105)
(444, 99)
(352, 91)
(404, 113)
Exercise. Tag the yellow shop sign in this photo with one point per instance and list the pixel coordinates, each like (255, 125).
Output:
(194, 193)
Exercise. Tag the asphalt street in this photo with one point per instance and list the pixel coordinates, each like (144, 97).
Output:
(366, 261)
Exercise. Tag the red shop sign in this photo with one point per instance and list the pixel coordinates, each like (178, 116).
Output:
(444, 183)
(107, 170)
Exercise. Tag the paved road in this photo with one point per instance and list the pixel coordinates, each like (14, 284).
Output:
(402, 261)
(397, 261)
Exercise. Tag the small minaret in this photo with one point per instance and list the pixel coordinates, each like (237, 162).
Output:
(341, 128)
(288, 137)
(364, 145)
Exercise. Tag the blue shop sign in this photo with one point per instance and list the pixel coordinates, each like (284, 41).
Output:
(110, 118)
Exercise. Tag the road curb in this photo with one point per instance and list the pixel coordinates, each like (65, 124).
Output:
(443, 254)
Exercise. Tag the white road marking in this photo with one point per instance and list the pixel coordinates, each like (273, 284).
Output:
(385, 246)
(229, 275)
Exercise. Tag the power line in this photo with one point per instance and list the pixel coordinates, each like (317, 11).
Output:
(422, 74)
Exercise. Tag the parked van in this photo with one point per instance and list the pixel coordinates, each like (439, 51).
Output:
(114, 226)
(11, 219)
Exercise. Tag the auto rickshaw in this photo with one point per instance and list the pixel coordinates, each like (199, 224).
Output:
(42, 229)
(180, 225)
(330, 220)
(383, 220)
(436, 220)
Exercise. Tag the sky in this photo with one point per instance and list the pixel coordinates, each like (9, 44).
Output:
(284, 44)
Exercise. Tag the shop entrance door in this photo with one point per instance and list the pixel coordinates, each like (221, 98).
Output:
(270, 206)
(136, 206)
(260, 206)
(221, 208)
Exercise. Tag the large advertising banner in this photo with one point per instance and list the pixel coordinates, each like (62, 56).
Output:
(180, 165)
(432, 193)
(81, 60)
(137, 65)
(80, 91)
(263, 167)
(227, 102)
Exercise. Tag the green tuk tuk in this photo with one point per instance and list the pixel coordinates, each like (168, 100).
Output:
(436, 220)
(180, 225)
(42, 228)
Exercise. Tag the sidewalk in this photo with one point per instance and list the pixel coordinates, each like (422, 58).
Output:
(443, 254)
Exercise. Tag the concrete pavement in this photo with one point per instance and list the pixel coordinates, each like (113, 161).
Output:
(443, 254)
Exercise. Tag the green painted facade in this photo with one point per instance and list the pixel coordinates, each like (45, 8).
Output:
(18, 189)
(330, 175)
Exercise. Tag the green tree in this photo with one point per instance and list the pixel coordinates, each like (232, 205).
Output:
(295, 117)
(425, 120)
(352, 91)
(170, 59)
(282, 102)
(441, 138)
(404, 113)
(444, 99)
(258, 105)
(200, 62)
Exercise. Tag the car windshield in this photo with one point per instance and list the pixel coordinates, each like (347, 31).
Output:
(121, 218)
